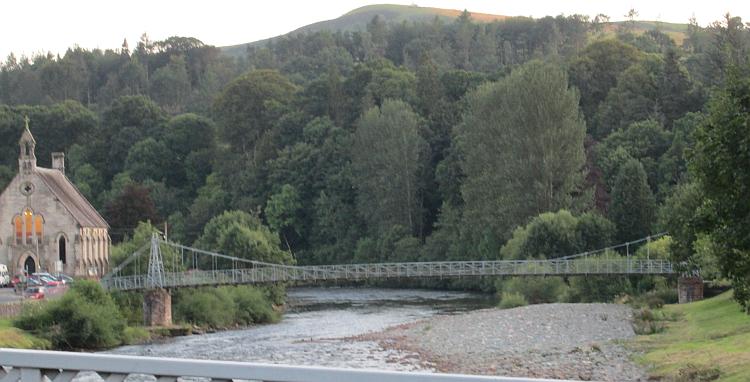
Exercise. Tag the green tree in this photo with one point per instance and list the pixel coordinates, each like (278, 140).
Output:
(388, 155)
(89, 181)
(249, 105)
(127, 121)
(557, 234)
(646, 141)
(239, 234)
(521, 144)
(212, 199)
(170, 85)
(680, 216)
(131, 206)
(595, 71)
(633, 206)
(282, 212)
(6, 175)
(191, 140)
(721, 165)
(149, 159)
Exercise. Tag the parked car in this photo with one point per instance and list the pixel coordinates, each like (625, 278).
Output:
(65, 279)
(44, 280)
(4, 276)
(34, 293)
(33, 282)
(48, 279)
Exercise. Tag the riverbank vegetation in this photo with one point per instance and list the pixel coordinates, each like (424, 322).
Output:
(12, 337)
(416, 141)
(702, 341)
(87, 317)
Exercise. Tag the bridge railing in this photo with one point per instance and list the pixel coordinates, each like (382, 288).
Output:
(270, 274)
(43, 366)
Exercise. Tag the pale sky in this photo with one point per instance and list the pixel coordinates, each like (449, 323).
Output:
(30, 26)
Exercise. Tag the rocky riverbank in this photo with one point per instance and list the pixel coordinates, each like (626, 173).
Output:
(561, 341)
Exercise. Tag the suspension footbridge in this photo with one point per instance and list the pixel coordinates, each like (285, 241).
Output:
(171, 265)
(160, 266)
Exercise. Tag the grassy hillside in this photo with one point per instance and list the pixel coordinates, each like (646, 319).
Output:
(391, 13)
(358, 19)
(707, 335)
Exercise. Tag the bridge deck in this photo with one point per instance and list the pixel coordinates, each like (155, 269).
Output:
(354, 272)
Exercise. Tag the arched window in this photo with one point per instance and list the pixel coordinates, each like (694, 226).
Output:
(38, 227)
(61, 250)
(28, 217)
(18, 222)
(28, 225)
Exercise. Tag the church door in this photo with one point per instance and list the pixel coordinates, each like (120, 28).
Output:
(29, 265)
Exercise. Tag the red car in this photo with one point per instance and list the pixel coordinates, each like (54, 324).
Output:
(34, 293)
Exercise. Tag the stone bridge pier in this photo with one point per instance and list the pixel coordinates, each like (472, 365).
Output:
(689, 289)
(157, 307)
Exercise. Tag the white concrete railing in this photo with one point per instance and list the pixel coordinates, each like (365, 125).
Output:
(34, 366)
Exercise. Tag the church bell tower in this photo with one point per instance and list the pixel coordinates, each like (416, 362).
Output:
(26, 157)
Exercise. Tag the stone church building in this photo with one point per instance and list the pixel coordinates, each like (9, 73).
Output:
(46, 224)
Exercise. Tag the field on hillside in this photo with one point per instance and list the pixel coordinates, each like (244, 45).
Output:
(707, 336)
(357, 19)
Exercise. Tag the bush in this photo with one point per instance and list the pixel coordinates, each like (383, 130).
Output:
(84, 318)
(251, 306)
(693, 373)
(135, 335)
(225, 306)
(212, 307)
(597, 288)
(512, 300)
(536, 290)
(130, 305)
(641, 327)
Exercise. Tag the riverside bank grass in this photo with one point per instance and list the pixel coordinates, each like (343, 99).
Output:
(710, 337)
(11, 337)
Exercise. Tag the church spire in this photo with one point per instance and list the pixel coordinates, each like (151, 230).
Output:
(27, 144)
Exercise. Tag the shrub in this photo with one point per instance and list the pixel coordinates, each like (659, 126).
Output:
(597, 288)
(512, 300)
(212, 307)
(535, 290)
(641, 327)
(644, 315)
(251, 306)
(130, 305)
(653, 302)
(693, 373)
(84, 318)
(135, 335)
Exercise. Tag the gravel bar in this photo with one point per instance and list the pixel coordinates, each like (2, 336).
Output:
(559, 341)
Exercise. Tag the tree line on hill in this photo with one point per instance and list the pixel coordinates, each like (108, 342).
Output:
(412, 141)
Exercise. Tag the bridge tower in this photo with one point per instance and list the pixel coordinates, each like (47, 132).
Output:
(157, 302)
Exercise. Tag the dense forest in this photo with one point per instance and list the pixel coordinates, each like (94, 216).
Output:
(518, 138)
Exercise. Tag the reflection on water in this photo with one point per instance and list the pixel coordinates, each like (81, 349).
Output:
(312, 330)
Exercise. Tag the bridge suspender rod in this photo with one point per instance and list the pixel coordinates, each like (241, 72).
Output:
(626, 244)
(254, 262)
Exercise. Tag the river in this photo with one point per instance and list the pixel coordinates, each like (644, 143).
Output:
(315, 327)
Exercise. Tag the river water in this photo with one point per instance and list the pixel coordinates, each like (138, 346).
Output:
(315, 328)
